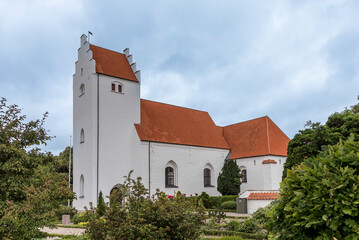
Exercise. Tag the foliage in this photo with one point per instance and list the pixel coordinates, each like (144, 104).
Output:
(316, 137)
(207, 203)
(233, 225)
(133, 215)
(229, 179)
(320, 198)
(28, 196)
(82, 217)
(261, 216)
(231, 205)
(101, 206)
(258, 236)
(249, 226)
(217, 215)
(65, 210)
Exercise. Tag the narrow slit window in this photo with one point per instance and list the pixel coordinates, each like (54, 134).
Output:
(113, 87)
(120, 88)
(82, 136)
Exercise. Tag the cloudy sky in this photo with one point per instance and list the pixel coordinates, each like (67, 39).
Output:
(291, 60)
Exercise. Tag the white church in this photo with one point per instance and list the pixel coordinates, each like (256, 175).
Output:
(171, 148)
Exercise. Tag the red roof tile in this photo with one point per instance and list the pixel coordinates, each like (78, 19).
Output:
(112, 63)
(256, 137)
(263, 196)
(171, 124)
(269, 161)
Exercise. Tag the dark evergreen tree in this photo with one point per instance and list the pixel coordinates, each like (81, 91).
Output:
(101, 206)
(229, 179)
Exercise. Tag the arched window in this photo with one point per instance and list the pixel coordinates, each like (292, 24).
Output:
(244, 174)
(208, 175)
(82, 89)
(171, 174)
(82, 186)
(117, 87)
(82, 136)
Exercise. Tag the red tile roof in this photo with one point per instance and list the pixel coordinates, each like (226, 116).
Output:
(269, 161)
(171, 124)
(112, 63)
(263, 196)
(256, 137)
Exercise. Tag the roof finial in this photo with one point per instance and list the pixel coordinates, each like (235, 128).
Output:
(89, 33)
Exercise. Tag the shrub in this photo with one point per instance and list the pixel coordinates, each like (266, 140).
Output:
(82, 217)
(248, 226)
(229, 198)
(207, 203)
(101, 206)
(261, 216)
(133, 215)
(320, 198)
(231, 205)
(65, 210)
(229, 179)
(233, 225)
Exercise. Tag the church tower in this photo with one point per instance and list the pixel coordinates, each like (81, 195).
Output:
(106, 100)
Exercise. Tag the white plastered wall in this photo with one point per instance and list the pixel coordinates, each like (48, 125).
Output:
(190, 161)
(84, 117)
(262, 176)
(253, 205)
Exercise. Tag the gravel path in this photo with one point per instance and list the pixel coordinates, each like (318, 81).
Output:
(64, 231)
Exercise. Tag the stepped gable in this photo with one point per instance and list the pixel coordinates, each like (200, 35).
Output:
(178, 125)
(112, 63)
(256, 137)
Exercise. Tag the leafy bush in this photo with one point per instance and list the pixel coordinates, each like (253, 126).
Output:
(231, 205)
(133, 215)
(249, 226)
(217, 215)
(261, 216)
(233, 225)
(229, 198)
(65, 210)
(320, 198)
(82, 217)
(207, 202)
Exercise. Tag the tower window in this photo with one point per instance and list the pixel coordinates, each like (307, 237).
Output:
(82, 186)
(117, 87)
(82, 89)
(82, 71)
(82, 136)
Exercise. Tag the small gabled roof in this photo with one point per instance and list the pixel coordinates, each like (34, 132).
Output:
(263, 196)
(112, 63)
(178, 125)
(256, 137)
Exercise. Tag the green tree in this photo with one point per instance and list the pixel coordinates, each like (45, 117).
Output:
(229, 179)
(316, 137)
(320, 197)
(28, 197)
(101, 206)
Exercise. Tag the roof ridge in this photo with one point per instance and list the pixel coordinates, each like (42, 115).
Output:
(107, 49)
(177, 106)
(243, 121)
